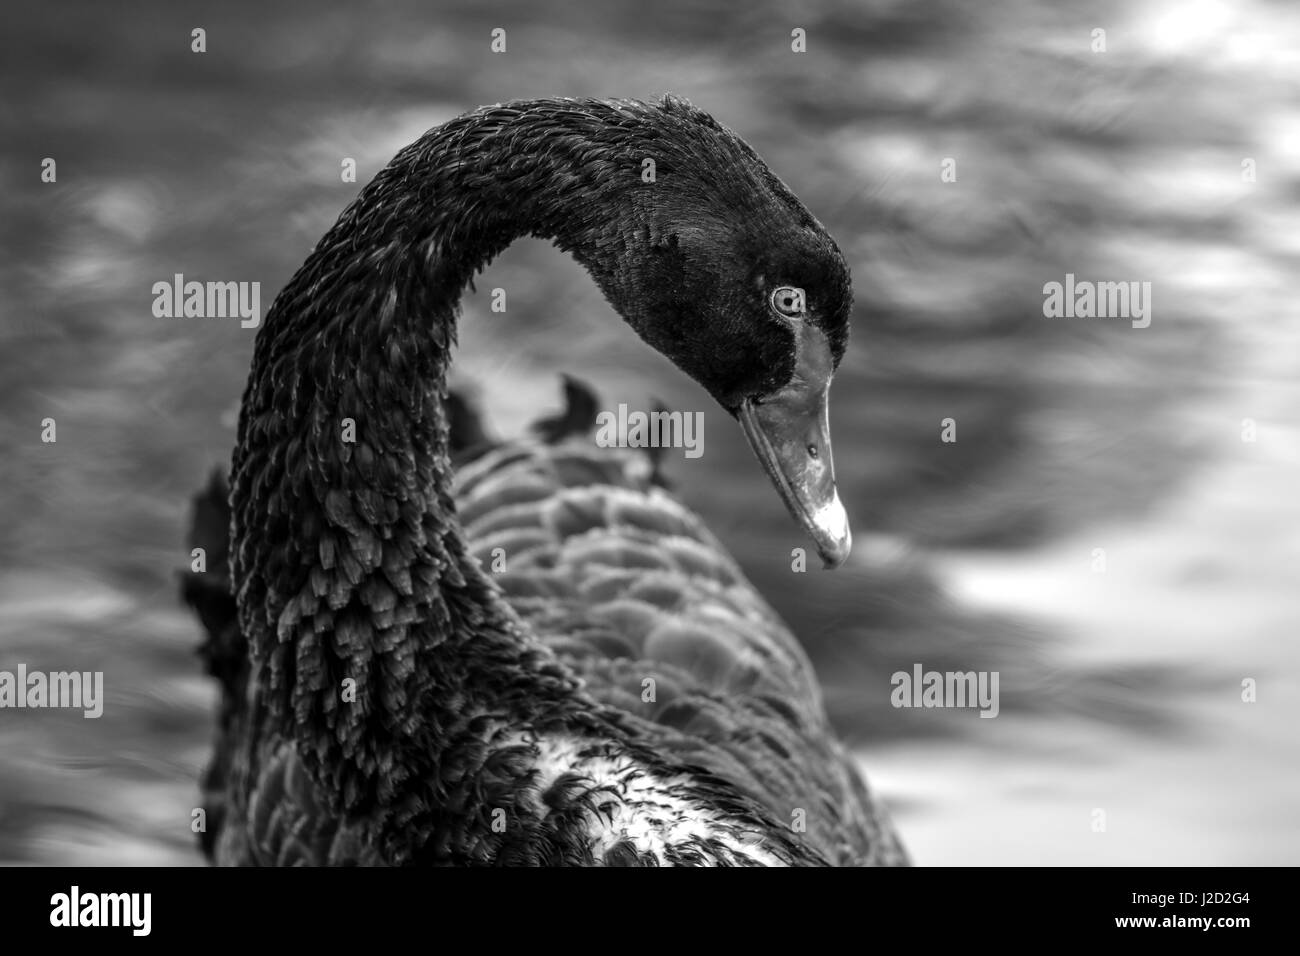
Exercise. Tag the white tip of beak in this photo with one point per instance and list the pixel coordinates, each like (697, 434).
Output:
(834, 539)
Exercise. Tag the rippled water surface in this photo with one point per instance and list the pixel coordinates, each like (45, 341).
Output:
(1120, 691)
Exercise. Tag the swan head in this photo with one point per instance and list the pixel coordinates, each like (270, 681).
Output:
(726, 273)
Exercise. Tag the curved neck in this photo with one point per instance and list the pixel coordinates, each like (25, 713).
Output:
(374, 636)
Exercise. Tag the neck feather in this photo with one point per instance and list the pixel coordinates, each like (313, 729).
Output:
(376, 640)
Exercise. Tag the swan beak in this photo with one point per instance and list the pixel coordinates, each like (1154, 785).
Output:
(790, 433)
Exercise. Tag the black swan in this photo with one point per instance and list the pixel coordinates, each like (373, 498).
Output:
(537, 657)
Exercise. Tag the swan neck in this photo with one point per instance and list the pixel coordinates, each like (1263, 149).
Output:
(375, 636)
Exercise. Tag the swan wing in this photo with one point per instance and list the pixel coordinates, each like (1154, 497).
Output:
(631, 590)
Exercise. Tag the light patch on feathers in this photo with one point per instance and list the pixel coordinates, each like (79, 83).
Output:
(651, 813)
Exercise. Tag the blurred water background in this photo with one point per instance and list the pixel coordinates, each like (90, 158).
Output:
(1120, 691)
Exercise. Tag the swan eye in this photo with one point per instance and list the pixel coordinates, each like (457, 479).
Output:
(788, 301)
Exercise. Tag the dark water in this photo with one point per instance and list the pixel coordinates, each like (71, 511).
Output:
(1119, 691)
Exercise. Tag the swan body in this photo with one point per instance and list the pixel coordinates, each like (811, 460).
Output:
(616, 693)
